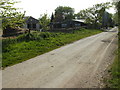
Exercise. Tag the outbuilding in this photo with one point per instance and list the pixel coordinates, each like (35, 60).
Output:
(31, 23)
(68, 24)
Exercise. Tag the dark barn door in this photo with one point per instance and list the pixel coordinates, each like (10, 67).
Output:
(31, 26)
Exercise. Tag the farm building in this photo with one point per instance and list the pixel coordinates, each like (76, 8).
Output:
(68, 24)
(31, 23)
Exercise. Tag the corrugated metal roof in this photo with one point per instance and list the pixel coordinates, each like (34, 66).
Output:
(79, 20)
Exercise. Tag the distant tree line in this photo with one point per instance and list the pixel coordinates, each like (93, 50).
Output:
(12, 18)
(96, 16)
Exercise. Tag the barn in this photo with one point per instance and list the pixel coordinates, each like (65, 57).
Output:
(68, 24)
(31, 23)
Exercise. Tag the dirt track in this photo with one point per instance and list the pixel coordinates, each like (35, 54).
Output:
(77, 65)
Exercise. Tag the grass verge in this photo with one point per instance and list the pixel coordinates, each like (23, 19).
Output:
(114, 80)
(114, 72)
(23, 48)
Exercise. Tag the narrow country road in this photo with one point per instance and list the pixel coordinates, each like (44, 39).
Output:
(77, 65)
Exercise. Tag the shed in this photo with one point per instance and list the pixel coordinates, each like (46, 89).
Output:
(31, 23)
(68, 24)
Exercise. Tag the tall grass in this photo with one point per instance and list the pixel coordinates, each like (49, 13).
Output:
(114, 80)
(115, 70)
(27, 46)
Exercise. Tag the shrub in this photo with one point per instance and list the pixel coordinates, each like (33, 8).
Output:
(45, 35)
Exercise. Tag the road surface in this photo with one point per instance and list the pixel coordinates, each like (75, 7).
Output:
(77, 65)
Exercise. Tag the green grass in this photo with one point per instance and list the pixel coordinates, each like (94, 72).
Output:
(114, 80)
(0, 53)
(23, 48)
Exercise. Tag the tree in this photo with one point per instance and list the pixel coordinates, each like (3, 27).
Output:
(44, 21)
(11, 18)
(64, 13)
(115, 18)
(118, 8)
(52, 18)
(107, 20)
(117, 5)
(111, 21)
(94, 14)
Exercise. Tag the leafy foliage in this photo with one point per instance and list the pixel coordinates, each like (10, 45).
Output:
(63, 13)
(44, 21)
(115, 18)
(94, 14)
(114, 81)
(11, 18)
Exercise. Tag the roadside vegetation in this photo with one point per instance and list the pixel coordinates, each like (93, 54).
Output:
(114, 72)
(114, 80)
(27, 46)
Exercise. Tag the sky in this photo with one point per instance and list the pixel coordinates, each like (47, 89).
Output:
(36, 8)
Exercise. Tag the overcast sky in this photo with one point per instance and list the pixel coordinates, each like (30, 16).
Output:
(36, 7)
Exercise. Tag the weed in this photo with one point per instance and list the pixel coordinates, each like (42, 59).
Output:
(27, 46)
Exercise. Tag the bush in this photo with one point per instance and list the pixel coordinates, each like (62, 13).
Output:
(45, 35)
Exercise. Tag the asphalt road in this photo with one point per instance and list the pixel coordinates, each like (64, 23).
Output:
(77, 65)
